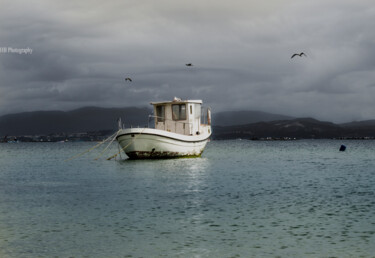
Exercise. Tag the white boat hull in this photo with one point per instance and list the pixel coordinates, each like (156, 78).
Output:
(149, 143)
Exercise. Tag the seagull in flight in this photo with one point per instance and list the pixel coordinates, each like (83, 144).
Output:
(300, 54)
(128, 79)
(189, 64)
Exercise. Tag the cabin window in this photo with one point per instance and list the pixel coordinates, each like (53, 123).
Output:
(197, 108)
(160, 113)
(179, 112)
(191, 109)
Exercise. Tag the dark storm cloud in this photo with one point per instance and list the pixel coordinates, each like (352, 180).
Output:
(83, 50)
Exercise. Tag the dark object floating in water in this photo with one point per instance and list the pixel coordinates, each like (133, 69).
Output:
(190, 64)
(342, 148)
(128, 79)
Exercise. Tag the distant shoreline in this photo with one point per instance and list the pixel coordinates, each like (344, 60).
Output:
(99, 139)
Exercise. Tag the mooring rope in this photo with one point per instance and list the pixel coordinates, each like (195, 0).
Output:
(80, 154)
(118, 147)
(101, 154)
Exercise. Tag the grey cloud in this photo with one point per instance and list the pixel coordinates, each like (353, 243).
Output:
(240, 50)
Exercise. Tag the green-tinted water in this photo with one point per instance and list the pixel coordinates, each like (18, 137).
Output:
(241, 198)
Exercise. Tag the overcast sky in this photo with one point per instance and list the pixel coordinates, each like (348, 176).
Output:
(240, 50)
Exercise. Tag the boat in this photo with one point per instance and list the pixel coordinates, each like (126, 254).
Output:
(181, 128)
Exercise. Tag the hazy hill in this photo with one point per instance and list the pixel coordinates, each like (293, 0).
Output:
(360, 123)
(95, 119)
(79, 120)
(360, 128)
(226, 125)
(306, 128)
(229, 118)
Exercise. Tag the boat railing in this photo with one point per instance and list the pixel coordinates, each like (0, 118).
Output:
(206, 116)
(204, 121)
(186, 127)
(166, 119)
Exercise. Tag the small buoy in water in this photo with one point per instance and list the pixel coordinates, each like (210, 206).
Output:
(342, 148)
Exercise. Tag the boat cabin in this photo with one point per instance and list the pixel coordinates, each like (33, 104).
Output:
(179, 116)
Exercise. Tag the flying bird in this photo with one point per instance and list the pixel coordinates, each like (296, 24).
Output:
(300, 54)
(128, 79)
(189, 64)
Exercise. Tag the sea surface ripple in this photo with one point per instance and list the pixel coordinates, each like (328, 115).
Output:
(240, 199)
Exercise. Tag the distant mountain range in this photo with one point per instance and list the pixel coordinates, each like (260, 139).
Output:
(226, 125)
(229, 118)
(85, 119)
(299, 128)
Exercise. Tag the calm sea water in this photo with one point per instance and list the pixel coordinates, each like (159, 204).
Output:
(241, 199)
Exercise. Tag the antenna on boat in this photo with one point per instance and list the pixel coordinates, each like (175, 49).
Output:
(119, 123)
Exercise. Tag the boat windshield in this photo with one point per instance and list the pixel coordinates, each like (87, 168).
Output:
(179, 111)
(160, 113)
(197, 111)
